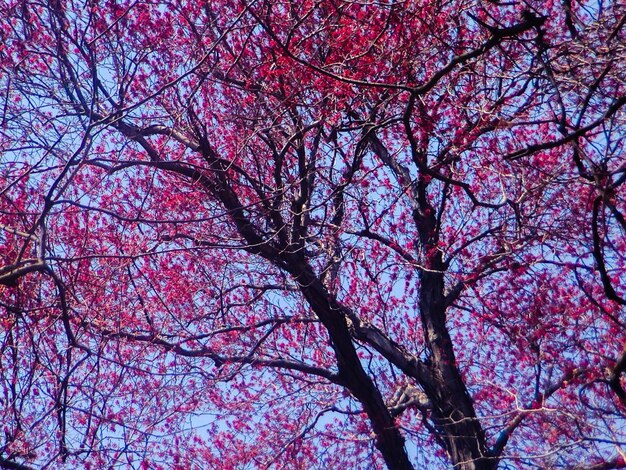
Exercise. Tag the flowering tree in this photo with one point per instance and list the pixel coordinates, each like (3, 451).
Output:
(312, 234)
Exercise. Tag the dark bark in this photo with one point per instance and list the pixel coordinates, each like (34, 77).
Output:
(389, 440)
(453, 409)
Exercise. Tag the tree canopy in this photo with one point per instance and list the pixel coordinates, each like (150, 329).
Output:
(312, 234)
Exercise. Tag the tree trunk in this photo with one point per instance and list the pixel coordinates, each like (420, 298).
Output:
(453, 409)
(389, 439)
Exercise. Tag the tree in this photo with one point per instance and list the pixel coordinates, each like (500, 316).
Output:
(313, 234)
